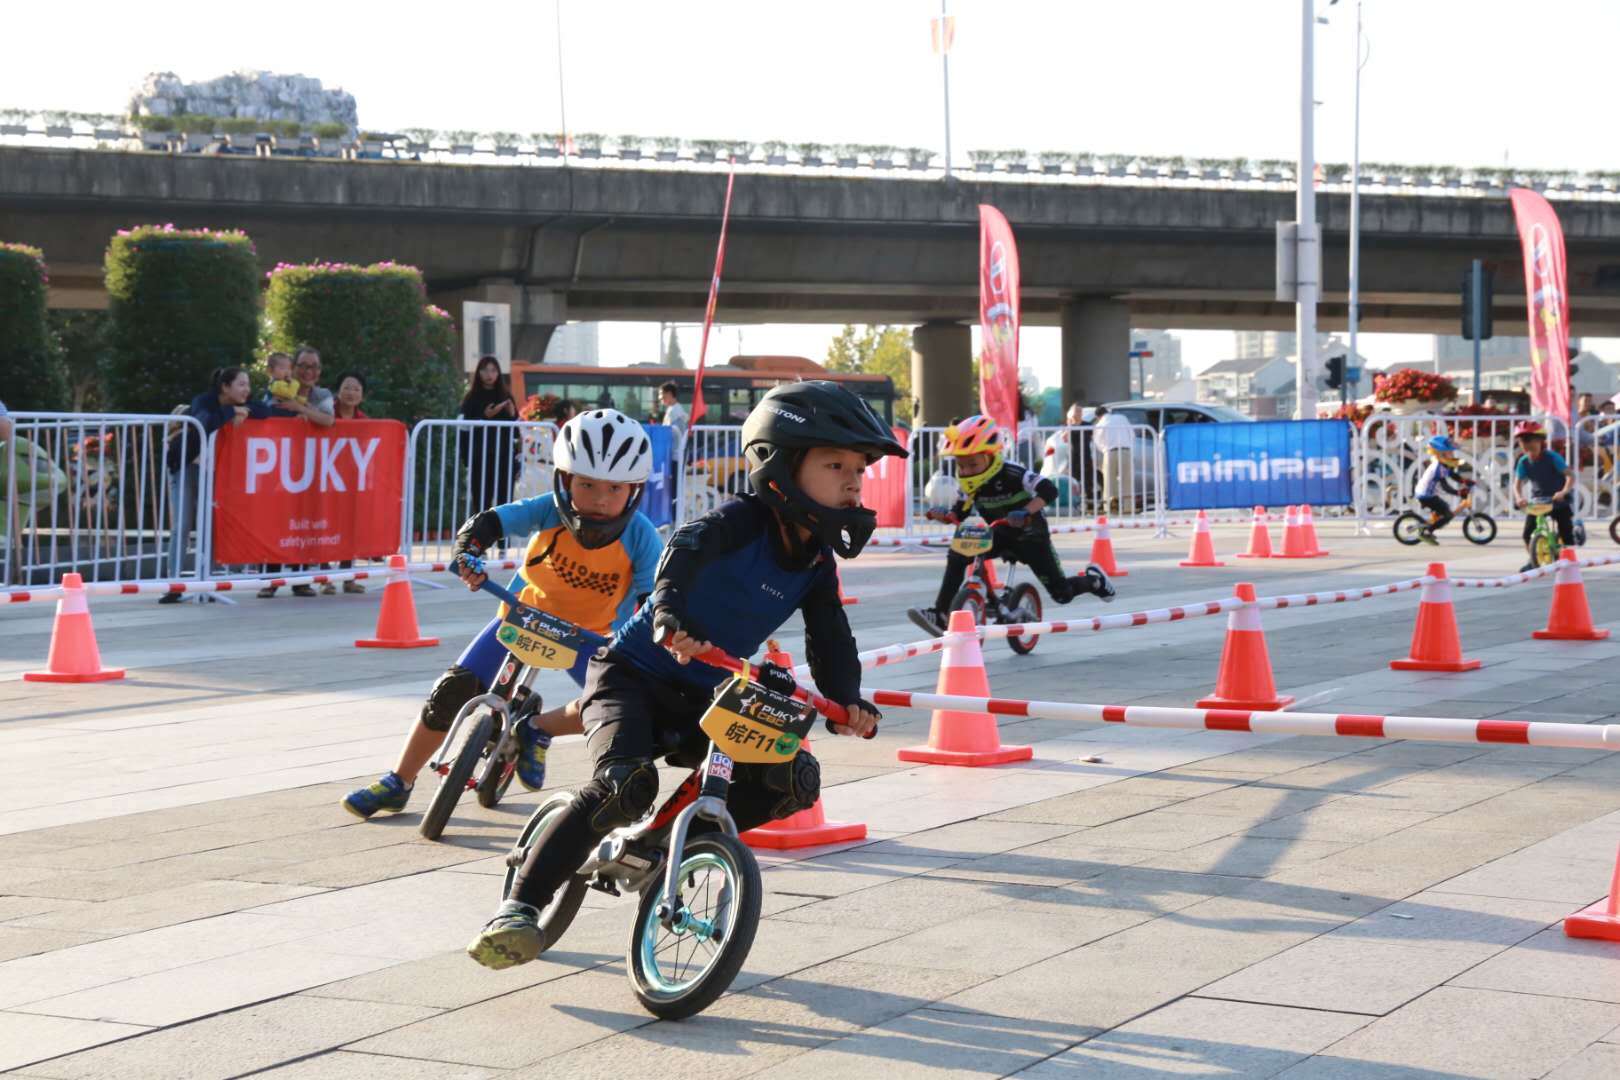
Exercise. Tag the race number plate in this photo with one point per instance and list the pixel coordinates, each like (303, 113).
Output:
(753, 724)
(540, 640)
(972, 540)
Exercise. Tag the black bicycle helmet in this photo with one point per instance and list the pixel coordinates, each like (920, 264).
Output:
(797, 417)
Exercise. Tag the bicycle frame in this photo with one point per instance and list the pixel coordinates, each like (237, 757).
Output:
(515, 675)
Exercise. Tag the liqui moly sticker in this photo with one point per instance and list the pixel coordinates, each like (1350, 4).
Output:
(719, 766)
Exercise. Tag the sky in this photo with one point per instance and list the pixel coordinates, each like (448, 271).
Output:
(1445, 81)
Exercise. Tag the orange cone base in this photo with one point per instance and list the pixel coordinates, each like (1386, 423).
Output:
(785, 835)
(1410, 664)
(1596, 921)
(68, 677)
(1282, 701)
(1189, 562)
(1309, 555)
(412, 643)
(1558, 635)
(1246, 555)
(927, 755)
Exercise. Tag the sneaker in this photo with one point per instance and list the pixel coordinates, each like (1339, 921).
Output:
(170, 598)
(329, 589)
(1527, 567)
(353, 587)
(1098, 585)
(302, 590)
(390, 793)
(1428, 537)
(511, 938)
(267, 592)
(531, 759)
(928, 619)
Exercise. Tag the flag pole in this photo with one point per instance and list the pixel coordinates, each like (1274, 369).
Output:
(714, 295)
(945, 65)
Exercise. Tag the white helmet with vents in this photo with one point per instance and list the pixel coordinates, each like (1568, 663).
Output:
(605, 445)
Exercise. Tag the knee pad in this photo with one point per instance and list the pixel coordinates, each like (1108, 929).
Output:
(797, 782)
(620, 794)
(454, 689)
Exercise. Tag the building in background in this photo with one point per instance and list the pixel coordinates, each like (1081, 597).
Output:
(1237, 382)
(1154, 376)
(579, 344)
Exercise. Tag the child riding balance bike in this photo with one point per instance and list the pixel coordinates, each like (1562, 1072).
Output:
(1010, 498)
(590, 559)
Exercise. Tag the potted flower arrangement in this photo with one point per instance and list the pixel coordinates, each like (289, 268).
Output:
(708, 149)
(810, 154)
(983, 160)
(669, 147)
(775, 152)
(1017, 160)
(540, 407)
(629, 147)
(590, 144)
(849, 155)
(1410, 391)
(919, 157)
(1052, 161)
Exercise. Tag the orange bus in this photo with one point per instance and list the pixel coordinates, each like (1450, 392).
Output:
(730, 390)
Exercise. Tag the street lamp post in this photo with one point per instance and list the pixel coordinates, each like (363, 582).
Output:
(1355, 201)
(1308, 245)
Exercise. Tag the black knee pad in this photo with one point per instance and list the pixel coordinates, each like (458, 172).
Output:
(454, 689)
(798, 782)
(620, 794)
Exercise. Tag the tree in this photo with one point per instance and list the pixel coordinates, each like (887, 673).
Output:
(876, 350)
(82, 342)
(672, 353)
(33, 381)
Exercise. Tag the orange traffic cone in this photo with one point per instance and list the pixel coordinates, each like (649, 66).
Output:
(396, 621)
(1203, 545)
(1245, 678)
(74, 656)
(963, 738)
(807, 828)
(1602, 919)
(1102, 551)
(1307, 525)
(1259, 537)
(842, 599)
(1570, 618)
(1294, 543)
(1435, 643)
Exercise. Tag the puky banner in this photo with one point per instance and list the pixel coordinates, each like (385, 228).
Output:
(1546, 300)
(883, 486)
(1265, 463)
(288, 492)
(998, 320)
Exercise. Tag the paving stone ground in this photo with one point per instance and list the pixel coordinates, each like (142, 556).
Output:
(181, 896)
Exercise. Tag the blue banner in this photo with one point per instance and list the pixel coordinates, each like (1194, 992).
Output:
(658, 500)
(1265, 463)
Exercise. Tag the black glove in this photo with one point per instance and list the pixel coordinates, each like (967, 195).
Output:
(863, 704)
(476, 535)
(776, 678)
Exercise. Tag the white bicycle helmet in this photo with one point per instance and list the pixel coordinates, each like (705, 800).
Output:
(603, 444)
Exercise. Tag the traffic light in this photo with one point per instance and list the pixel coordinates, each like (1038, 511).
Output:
(1486, 289)
(1335, 372)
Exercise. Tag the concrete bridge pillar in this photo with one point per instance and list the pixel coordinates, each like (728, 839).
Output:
(942, 372)
(1096, 344)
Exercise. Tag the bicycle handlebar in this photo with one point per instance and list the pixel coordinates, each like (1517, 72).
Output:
(836, 714)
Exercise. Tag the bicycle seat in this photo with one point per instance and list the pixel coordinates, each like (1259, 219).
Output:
(1538, 509)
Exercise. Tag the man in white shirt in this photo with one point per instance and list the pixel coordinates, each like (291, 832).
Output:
(675, 414)
(1112, 439)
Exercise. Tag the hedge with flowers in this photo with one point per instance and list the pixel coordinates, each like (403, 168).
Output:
(374, 320)
(182, 303)
(1410, 384)
(34, 377)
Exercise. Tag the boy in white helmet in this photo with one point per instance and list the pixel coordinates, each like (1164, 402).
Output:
(591, 559)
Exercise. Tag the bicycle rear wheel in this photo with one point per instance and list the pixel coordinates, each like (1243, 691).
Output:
(679, 972)
(558, 915)
(474, 743)
(1479, 528)
(1614, 529)
(1026, 604)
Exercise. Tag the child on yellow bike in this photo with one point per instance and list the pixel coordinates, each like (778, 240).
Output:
(1437, 478)
(590, 560)
(1002, 490)
(1550, 479)
(731, 577)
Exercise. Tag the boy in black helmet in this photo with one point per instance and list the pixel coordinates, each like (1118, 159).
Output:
(730, 578)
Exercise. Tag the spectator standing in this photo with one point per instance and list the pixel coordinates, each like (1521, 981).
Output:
(565, 411)
(1111, 439)
(490, 452)
(675, 414)
(314, 403)
(351, 391)
(224, 402)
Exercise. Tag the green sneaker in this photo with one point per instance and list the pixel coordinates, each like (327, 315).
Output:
(390, 793)
(511, 938)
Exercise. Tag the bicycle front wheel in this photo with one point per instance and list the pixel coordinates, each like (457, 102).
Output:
(1479, 528)
(969, 600)
(1543, 550)
(474, 742)
(1614, 529)
(1409, 528)
(679, 971)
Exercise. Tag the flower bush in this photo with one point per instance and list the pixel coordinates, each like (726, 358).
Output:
(182, 303)
(371, 319)
(34, 377)
(540, 407)
(1410, 384)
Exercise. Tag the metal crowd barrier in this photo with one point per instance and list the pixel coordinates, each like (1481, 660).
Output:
(93, 493)
(455, 468)
(1390, 458)
(712, 470)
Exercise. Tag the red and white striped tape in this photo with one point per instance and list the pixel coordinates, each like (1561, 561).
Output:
(1078, 527)
(1424, 728)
